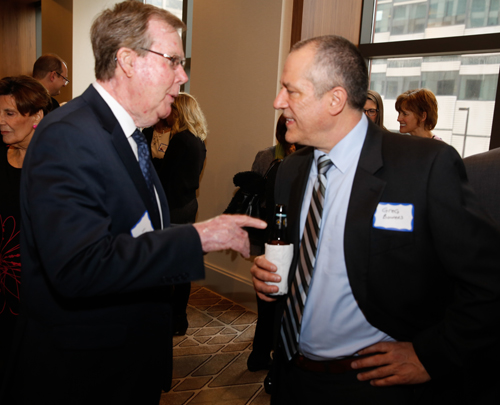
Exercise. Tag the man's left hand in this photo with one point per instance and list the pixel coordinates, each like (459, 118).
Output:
(396, 364)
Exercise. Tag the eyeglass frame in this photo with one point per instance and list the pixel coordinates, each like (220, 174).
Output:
(174, 60)
(371, 112)
(65, 78)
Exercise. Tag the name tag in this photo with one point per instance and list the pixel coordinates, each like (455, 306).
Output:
(144, 225)
(394, 217)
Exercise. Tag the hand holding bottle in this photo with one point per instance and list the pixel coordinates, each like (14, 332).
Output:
(278, 250)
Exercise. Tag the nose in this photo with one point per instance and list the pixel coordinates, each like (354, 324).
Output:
(280, 100)
(399, 117)
(182, 75)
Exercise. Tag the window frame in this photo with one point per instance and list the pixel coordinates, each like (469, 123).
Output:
(470, 44)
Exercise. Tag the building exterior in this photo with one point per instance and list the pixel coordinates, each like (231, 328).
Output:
(465, 85)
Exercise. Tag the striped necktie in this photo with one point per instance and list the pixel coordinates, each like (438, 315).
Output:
(292, 318)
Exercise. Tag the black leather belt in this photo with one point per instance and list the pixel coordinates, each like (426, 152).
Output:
(326, 366)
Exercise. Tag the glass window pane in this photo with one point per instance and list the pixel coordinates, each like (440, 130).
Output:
(174, 6)
(421, 19)
(465, 88)
(478, 87)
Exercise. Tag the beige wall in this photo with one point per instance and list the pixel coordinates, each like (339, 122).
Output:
(332, 17)
(239, 48)
(57, 35)
(234, 74)
(84, 12)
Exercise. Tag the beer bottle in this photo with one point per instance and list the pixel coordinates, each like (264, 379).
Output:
(278, 232)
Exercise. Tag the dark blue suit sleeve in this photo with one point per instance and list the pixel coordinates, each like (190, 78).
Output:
(79, 206)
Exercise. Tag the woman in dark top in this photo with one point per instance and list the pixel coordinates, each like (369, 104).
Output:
(179, 174)
(23, 103)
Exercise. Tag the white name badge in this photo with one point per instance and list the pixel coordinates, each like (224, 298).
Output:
(394, 217)
(144, 225)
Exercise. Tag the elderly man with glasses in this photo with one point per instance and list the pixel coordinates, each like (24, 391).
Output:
(98, 251)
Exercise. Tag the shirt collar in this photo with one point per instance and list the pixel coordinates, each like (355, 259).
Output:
(122, 116)
(343, 154)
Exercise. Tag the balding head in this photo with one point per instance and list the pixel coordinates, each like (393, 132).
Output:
(51, 71)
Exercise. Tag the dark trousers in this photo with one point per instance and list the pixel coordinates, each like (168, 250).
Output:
(297, 386)
(292, 385)
(180, 292)
(179, 300)
(129, 374)
(263, 339)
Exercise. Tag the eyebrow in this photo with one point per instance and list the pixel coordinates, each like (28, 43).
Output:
(288, 86)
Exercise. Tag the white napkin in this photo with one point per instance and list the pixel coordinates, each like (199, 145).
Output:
(281, 256)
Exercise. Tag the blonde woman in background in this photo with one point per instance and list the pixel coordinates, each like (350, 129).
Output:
(179, 174)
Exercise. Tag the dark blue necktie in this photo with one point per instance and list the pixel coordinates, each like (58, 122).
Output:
(145, 163)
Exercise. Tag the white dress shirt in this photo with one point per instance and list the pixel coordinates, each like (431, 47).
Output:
(128, 127)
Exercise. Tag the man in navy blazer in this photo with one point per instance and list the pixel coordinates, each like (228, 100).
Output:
(403, 302)
(98, 250)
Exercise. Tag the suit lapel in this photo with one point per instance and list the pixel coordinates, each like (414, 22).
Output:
(165, 210)
(365, 195)
(122, 146)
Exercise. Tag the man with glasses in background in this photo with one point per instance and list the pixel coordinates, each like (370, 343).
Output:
(52, 72)
(98, 251)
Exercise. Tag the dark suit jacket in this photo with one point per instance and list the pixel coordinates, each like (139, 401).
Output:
(437, 286)
(181, 168)
(483, 171)
(88, 285)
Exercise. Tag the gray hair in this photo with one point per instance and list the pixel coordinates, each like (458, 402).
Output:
(337, 63)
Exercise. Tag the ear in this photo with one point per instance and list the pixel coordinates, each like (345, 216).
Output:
(52, 76)
(37, 117)
(126, 60)
(424, 117)
(337, 99)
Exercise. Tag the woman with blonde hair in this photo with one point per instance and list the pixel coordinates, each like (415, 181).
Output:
(179, 174)
(418, 113)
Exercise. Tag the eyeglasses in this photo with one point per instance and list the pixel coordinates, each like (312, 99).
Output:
(174, 60)
(67, 80)
(371, 112)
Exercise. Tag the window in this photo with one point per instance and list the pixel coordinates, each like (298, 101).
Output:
(440, 83)
(449, 12)
(174, 6)
(451, 47)
(408, 19)
(183, 10)
(484, 13)
(478, 87)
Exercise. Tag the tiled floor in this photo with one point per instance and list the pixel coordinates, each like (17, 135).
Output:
(210, 361)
